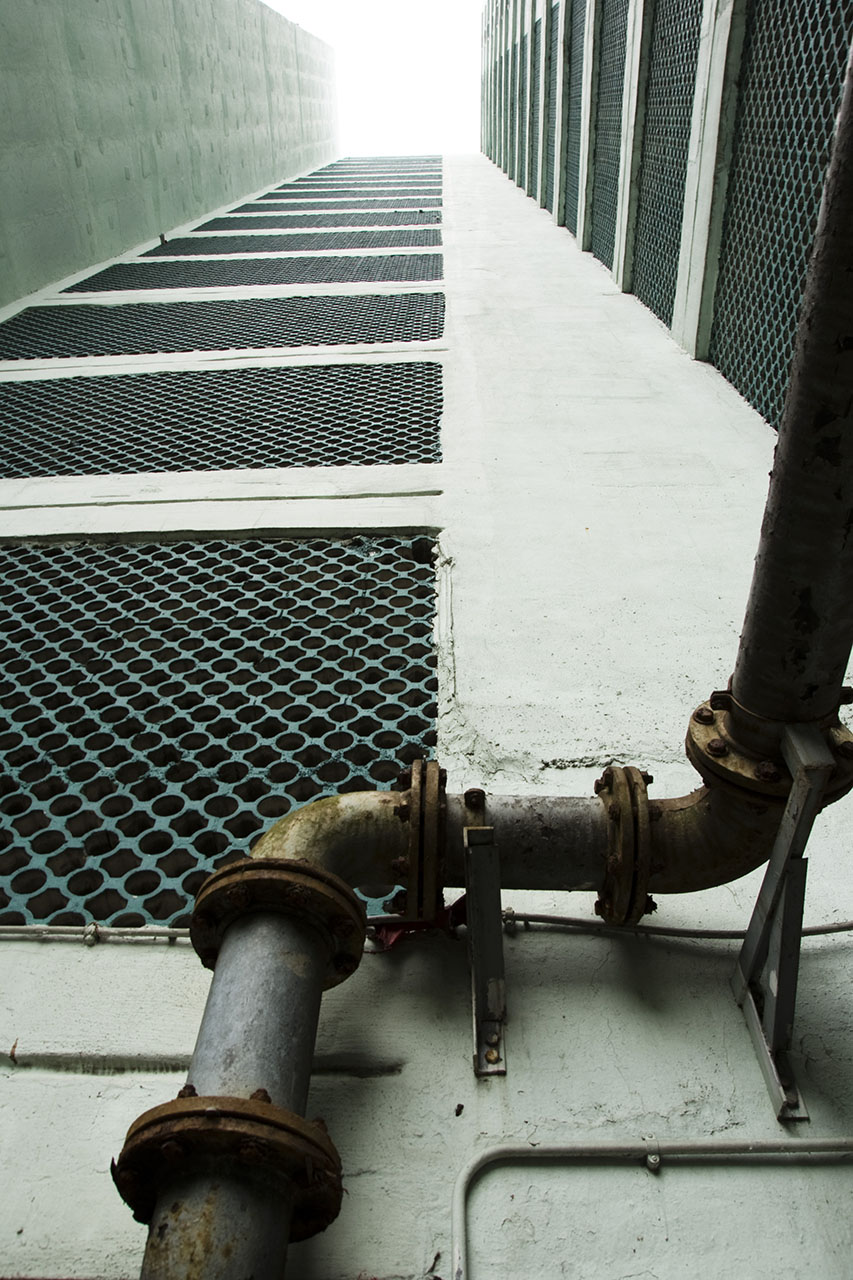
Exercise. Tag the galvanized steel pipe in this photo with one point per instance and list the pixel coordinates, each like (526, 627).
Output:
(798, 628)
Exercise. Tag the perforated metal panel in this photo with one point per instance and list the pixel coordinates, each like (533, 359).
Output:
(311, 204)
(666, 139)
(232, 222)
(89, 329)
(359, 191)
(513, 108)
(165, 703)
(552, 108)
(608, 128)
(523, 112)
(577, 18)
(190, 420)
(296, 243)
(536, 103)
(223, 273)
(791, 77)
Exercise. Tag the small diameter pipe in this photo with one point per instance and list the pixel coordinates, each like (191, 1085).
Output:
(257, 1032)
(654, 1155)
(799, 620)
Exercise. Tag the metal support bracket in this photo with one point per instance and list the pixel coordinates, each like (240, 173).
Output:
(485, 944)
(765, 979)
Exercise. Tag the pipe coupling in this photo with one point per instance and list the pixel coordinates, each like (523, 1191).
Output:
(721, 753)
(294, 888)
(624, 897)
(250, 1139)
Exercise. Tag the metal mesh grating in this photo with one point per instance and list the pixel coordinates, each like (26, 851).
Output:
(310, 204)
(226, 272)
(791, 77)
(573, 114)
(232, 222)
(296, 243)
(666, 140)
(132, 328)
(513, 108)
(608, 128)
(551, 141)
(361, 192)
(167, 702)
(189, 420)
(521, 167)
(535, 104)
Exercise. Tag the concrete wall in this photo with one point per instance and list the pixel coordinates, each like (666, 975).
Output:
(599, 505)
(120, 119)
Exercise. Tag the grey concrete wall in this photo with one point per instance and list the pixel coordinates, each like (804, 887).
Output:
(120, 119)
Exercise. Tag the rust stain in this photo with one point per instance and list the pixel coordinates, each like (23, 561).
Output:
(12, 1052)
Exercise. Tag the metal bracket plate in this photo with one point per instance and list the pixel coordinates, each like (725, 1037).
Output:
(765, 979)
(485, 943)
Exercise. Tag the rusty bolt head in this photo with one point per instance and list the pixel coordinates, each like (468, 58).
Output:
(171, 1151)
(767, 771)
(716, 747)
(237, 897)
(475, 798)
(492, 1056)
(601, 907)
(650, 906)
(846, 696)
(399, 902)
(493, 1038)
(260, 1095)
(604, 782)
(704, 715)
(647, 777)
(187, 1091)
(845, 749)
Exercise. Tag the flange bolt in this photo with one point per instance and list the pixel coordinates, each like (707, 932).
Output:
(704, 715)
(716, 747)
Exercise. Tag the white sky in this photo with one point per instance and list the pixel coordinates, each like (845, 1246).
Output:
(408, 74)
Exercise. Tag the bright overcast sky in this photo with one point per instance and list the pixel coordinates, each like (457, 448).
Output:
(408, 74)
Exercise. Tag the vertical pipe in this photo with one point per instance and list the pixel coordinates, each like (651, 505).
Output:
(799, 619)
(257, 1032)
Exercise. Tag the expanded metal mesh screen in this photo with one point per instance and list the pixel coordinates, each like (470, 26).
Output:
(535, 105)
(521, 167)
(551, 139)
(386, 218)
(666, 139)
(164, 703)
(296, 242)
(310, 203)
(190, 420)
(791, 77)
(284, 195)
(608, 128)
(227, 272)
(132, 328)
(513, 110)
(573, 113)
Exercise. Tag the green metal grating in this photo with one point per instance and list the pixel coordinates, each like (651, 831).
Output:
(666, 139)
(521, 167)
(608, 128)
(536, 103)
(166, 702)
(551, 139)
(573, 113)
(791, 76)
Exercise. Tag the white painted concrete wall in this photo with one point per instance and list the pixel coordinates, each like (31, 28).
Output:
(121, 119)
(600, 501)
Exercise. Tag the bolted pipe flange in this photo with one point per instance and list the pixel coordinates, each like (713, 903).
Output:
(294, 888)
(423, 809)
(245, 1138)
(624, 898)
(715, 748)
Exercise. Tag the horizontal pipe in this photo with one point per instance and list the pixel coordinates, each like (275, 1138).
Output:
(653, 1154)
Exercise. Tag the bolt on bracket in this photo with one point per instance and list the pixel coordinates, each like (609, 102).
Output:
(485, 944)
(765, 979)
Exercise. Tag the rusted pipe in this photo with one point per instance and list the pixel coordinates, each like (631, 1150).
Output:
(798, 628)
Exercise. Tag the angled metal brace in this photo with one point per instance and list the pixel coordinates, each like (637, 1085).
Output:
(765, 979)
(485, 943)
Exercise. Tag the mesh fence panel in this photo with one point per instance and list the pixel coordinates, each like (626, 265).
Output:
(666, 139)
(521, 168)
(536, 102)
(513, 110)
(551, 140)
(791, 77)
(608, 128)
(573, 114)
(212, 420)
(285, 221)
(296, 242)
(227, 272)
(164, 703)
(134, 328)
